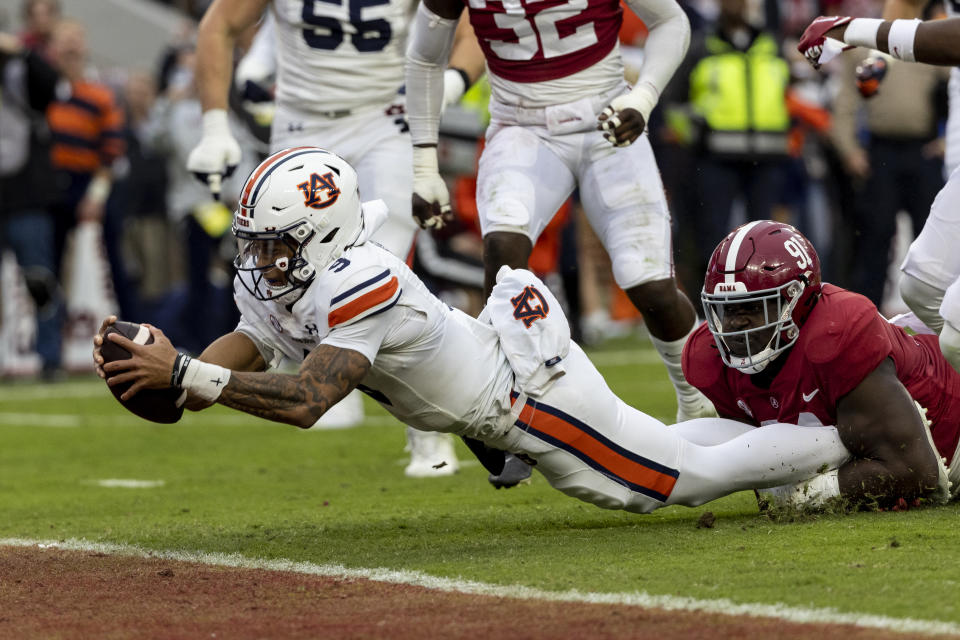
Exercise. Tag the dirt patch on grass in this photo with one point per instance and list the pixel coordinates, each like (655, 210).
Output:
(51, 593)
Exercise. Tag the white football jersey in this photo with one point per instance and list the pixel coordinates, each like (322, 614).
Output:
(339, 55)
(434, 367)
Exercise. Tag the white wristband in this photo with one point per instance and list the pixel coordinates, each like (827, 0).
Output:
(215, 123)
(200, 379)
(425, 161)
(99, 189)
(900, 39)
(862, 32)
(643, 98)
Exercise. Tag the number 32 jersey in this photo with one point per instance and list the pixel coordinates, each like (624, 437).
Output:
(335, 55)
(539, 40)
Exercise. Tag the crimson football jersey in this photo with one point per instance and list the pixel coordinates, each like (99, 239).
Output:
(842, 341)
(536, 41)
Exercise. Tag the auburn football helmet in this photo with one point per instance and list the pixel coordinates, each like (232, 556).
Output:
(761, 284)
(299, 210)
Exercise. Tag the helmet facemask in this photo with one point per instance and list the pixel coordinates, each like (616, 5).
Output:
(772, 332)
(272, 265)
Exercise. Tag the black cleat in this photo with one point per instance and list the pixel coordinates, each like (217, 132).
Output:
(515, 471)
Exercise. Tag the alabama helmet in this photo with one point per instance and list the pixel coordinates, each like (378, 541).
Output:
(772, 265)
(299, 211)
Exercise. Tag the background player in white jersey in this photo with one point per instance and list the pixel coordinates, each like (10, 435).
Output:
(931, 271)
(556, 73)
(339, 71)
(311, 289)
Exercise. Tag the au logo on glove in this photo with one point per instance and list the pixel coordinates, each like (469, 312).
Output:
(524, 309)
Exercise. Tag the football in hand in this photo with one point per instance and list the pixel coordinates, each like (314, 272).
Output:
(156, 405)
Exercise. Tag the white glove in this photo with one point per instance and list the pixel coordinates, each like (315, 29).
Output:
(454, 86)
(428, 185)
(217, 155)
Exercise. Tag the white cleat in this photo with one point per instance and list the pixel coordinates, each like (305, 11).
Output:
(431, 454)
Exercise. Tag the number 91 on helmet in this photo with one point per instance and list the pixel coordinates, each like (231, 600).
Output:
(761, 284)
(299, 211)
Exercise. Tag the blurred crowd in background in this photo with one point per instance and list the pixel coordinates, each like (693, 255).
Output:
(96, 202)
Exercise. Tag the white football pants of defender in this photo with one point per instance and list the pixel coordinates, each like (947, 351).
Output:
(591, 445)
(534, 158)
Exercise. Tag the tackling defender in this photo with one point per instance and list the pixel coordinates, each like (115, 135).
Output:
(312, 289)
(931, 280)
(779, 345)
(339, 75)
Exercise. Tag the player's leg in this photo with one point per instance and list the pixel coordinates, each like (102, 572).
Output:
(521, 183)
(386, 173)
(932, 263)
(590, 445)
(625, 203)
(950, 333)
(707, 432)
(774, 455)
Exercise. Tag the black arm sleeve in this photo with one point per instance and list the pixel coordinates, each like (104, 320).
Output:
(42, 81)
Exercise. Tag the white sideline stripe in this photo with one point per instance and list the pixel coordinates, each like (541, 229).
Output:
(126, 483)
(637, 598)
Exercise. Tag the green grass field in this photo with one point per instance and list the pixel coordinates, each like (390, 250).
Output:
(232, 483)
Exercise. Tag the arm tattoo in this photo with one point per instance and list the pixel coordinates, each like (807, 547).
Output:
(325, 377)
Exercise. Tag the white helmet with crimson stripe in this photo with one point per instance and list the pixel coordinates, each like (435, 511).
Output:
(299, 211)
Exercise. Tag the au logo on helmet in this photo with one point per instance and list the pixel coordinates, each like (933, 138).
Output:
(320, 191)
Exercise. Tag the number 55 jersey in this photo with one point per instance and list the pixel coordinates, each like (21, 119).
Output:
(337, 56)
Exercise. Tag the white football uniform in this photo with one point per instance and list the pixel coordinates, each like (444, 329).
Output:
(542, 142)
(339, 71)
(436, 368)
(933, 257)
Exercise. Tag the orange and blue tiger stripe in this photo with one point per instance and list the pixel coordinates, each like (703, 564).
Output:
(259, 176)
(563, 431)
(369, 298)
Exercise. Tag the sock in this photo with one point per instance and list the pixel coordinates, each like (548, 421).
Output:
(672, 355)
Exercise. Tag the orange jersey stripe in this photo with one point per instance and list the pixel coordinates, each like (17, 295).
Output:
(575, 438)
(364, 303)
(71, 119)
(74, 159)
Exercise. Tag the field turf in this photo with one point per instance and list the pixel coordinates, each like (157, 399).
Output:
(221, 481)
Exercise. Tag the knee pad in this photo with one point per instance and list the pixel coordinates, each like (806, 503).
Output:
(923, 299)
(950, 344)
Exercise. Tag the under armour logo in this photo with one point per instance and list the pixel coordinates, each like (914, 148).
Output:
(529, 306)
(218, 381)
(312, 329)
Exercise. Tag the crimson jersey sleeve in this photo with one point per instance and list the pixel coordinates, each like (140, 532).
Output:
(844, 340)
(705, 370)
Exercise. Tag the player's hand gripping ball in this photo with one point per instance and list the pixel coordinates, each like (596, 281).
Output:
(870, 74)
(156, 405)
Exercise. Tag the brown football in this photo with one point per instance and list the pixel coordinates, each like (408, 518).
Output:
(156, 405)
